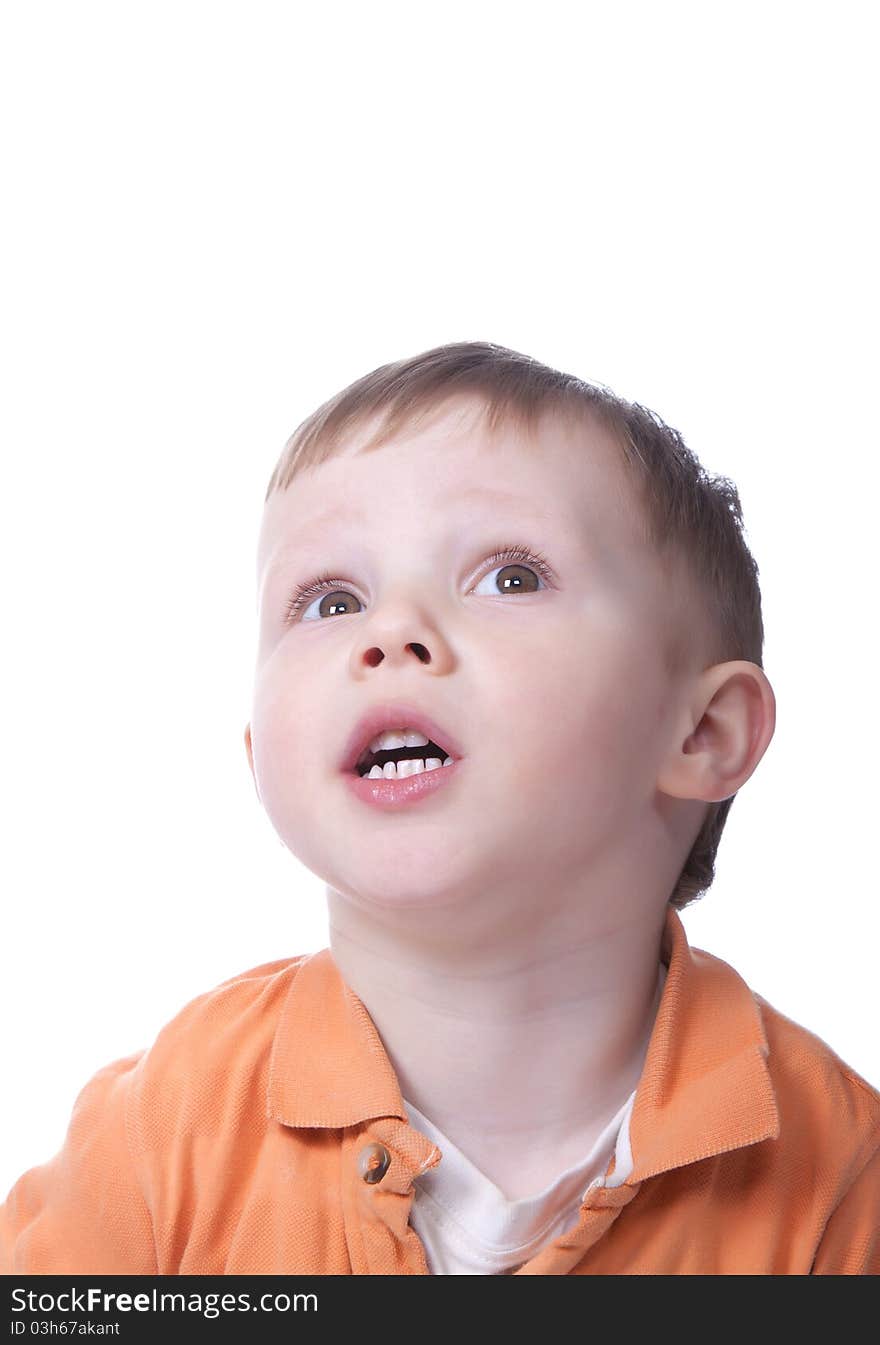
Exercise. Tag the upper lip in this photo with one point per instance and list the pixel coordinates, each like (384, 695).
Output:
(394, 715)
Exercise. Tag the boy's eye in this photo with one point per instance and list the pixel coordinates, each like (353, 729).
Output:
(338, 603)
(516, 576)
(511, 579)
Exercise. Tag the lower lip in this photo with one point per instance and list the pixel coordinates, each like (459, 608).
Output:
(391, 794)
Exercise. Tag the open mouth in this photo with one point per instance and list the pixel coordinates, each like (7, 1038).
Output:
(407, 761)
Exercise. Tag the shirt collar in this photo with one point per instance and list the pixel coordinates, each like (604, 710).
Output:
(705, 1086)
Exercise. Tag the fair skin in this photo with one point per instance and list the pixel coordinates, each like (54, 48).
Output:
(504, 935)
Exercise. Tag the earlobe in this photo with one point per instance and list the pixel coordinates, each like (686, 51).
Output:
(250, 755)
(728, 726)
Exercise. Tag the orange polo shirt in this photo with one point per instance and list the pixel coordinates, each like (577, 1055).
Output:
(264, 1132)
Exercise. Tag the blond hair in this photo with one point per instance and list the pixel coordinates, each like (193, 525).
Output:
(690, 518)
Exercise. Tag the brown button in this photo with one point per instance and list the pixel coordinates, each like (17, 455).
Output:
(373, 1162)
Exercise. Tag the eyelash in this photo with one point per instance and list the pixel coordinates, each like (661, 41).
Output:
(327, 582)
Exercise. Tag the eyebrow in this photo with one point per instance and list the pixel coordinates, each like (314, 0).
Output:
(348, 515)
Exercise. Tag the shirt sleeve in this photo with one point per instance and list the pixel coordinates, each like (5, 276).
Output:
(83, 1212)
(851, 1242)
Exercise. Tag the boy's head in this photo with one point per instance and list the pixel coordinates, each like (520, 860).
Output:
(547, 571)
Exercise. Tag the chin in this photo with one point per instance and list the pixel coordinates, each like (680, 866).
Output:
(392, 882)
(373, 892)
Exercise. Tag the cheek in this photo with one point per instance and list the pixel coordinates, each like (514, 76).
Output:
(567, 684)
(584, 706)
(282, 734)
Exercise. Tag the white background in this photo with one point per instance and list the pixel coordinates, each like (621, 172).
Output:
(215, 216)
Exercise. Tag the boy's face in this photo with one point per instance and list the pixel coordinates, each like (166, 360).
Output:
(559, 697)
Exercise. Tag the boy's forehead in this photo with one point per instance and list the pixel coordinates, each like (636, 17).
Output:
(559, 473)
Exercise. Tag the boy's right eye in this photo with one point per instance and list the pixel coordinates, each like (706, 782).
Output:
(340, 604)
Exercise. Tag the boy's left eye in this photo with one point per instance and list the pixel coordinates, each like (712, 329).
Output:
(514, 581)
(528, 572)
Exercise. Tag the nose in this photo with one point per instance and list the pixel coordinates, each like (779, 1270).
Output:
(399, 633)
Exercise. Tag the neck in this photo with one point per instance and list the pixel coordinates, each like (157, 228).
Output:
(521, 1046)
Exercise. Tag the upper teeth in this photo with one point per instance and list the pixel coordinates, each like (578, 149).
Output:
(394, 738)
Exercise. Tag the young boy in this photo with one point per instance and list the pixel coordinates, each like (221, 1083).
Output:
(508, 684)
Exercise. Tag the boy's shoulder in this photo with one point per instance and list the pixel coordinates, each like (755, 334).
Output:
(218, 1044)
(806, 1057)
(247, 1003)
(821, 1098)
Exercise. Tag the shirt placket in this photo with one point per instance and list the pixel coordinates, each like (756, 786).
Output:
(602, 1205)
(379, 1163)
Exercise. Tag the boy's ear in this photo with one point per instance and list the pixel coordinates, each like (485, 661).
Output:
(724, 730)
(250, 755)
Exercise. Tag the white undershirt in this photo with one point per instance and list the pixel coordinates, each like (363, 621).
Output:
(469, 1227)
